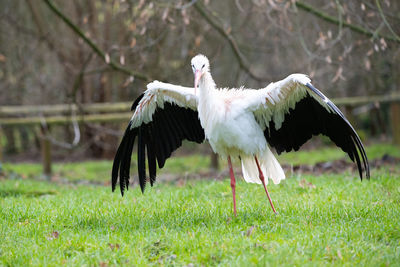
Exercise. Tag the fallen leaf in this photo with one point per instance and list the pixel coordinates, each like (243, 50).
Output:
(250, 230)
(113, 246)
(53, 235)
(339, 255)
(377, 203)
(303, 184)
(181, 183)
(26, 222)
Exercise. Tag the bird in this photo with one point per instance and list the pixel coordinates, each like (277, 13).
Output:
(238, 123)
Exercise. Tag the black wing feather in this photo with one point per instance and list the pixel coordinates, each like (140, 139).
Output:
(158, 138)
(151, 155)
(136, 102)
(121, 161)
(126, 161)
(117, 160)
(310, 118)
(141, 157)
(151, 159)
(157, 141)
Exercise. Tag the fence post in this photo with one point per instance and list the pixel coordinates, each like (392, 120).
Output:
(214, 164)
(349, 114)
(45, 147)
(1, 144)
(395, 121)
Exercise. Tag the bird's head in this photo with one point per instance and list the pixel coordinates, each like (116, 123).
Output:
(200, 65)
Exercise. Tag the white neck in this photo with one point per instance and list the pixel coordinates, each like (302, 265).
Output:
(208, 101)
(206, 86)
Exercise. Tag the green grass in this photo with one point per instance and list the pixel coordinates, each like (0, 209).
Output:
(88, 170)
(341, 221)
(330, 153)
(100, 170)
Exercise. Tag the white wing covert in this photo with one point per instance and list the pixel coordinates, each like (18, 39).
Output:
(292, 110)
(164, 115)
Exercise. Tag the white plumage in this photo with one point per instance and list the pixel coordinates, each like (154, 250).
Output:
(239, 123)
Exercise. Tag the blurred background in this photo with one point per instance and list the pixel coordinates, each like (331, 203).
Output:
(69, 70)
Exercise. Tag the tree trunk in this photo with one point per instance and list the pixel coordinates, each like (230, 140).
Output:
(395, 118)
(1, 144)
(214, 163)
(10, 140)
(46, 152)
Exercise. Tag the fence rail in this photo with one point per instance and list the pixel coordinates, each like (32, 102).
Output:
(64, 108)
(64, 119)
(117, 112)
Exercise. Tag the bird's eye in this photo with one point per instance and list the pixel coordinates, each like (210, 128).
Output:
(203, 65)
(192, 66)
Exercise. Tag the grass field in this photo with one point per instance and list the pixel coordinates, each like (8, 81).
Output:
(99, 171)
(329, 220)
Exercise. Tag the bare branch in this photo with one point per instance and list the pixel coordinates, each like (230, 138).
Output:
(385, 21)
(94, 47)
(244, 64)
(333, 20)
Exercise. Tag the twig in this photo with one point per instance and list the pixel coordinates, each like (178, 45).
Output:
(333, 20)
(186, 5)
(232, 42)
(385, 21)
(239, 6)
(79, 79)
(47, 136)
(94, 47)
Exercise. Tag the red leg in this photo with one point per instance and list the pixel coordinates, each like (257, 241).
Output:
(233, 184)
(263, 182)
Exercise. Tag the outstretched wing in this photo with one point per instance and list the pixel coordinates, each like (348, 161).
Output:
(164, 115)
(292, 110)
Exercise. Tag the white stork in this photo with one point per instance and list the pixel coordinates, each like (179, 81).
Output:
(239, 123)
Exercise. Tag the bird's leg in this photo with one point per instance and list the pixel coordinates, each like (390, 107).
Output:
(233, 184)
(263, 182)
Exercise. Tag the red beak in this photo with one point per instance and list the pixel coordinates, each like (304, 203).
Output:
(197, 76)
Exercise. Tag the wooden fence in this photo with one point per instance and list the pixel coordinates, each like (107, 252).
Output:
(119, 112)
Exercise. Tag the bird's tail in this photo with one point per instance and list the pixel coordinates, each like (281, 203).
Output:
(269, 166)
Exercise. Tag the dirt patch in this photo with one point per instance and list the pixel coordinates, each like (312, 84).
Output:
(340, 166)
(392, 164)
(337, 166)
